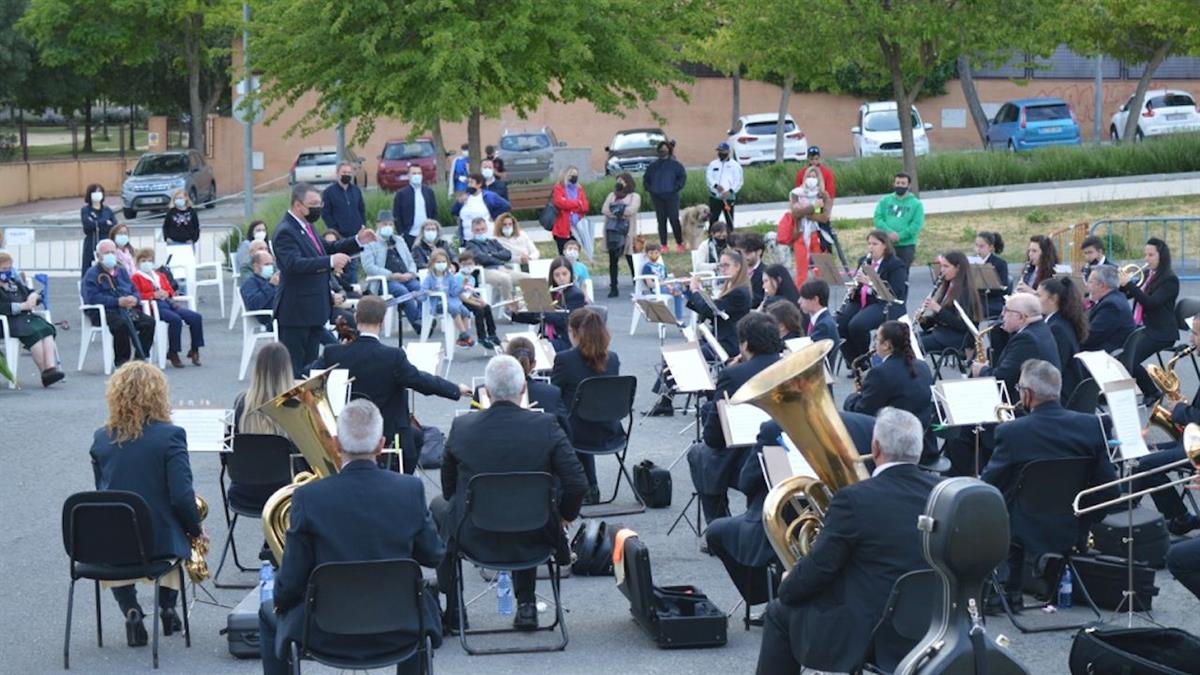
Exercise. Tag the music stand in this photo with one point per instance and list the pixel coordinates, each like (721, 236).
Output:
(711, 340)
(970, 402)
(877, 284)
(826, 267)
(687, 367)
(536, 293)
(985, 278)
(655, 310)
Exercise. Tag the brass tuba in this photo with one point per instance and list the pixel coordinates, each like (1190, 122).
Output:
(793, 392)
(304, 412)
(196, 565)
(1167, 380)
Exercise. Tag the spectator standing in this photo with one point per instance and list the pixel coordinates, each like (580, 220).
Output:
(829, 182)
(491, 182)
(414, 204)
(97, 220)
(571, 200)
(462, 167)
(665, 179)
(476, 202)
(902, 216)
(620, 211)
(181, 225)
(809, 211)
(345, 211)
(489, 152)
(723, 178)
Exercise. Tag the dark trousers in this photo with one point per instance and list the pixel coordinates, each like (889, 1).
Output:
(716, 207)
(123, 348)
(485, 324)
(1183, 561)
(175, 318)
(855, 323)
(274, 664)
(666, 208)
(1145, 350)
(127, 597)
(614, 258)
(589, 467)
(754, 583)
(959, 448)
(940, 339)
(775, 655)
(1168, 501)
(303, 343)
(907, 253)
(524, 581)
(560, 242)
(412, 309)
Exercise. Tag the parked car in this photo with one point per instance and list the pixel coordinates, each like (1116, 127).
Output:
(156, 178)
(528, 155)
(878, 131)
(753, 139)
(1028, 123)
(398, 155)
(1164, 111)
(318, 166)
(632, 150)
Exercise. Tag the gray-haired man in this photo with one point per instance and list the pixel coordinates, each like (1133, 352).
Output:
(1110, 319)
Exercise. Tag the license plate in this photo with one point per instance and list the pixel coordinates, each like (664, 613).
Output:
(155, 200)
(1174, 117)
(527, 160)
(1051, 130)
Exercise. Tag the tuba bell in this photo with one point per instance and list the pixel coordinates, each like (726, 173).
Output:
(1167, 380)
(794, 394)
(304, 412)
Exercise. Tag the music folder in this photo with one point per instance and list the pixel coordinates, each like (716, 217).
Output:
(985, 277)
(711, 340)
(740, 423)
(426, 356)
(969, 402)
(656, 311)
(543, 350)
(537, 296)
(881, 289)
(1103, 368)
(688, 368)
(827, 267)
(205, 427)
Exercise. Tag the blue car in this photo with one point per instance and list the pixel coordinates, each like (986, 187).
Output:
(1029, 123)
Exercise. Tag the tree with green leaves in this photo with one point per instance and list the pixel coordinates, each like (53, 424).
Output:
(16, 54)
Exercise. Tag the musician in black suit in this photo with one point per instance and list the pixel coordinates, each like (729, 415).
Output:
(1049, 431)
(734, 301)
(383, 375)
(713, 465)
(1028, 338)
(504, 438)
(1110, 321)
(1092, 249)
(361, 513)
(751, 246)
(864, 310)
(304, 302)
(1153, 308)
(1062, 307)
(831, 600)
(989, 246)
(817, 321)
(567, 299)
(942, 324)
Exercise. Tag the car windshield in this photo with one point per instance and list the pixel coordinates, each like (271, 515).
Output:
(768, 128)
(406, 150)
(151, 165)
(316, 159)
(887, 120)
(638, 141)
(1047, 113)
(524, 142)
(1174, 101)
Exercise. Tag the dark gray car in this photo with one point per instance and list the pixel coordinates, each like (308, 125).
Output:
(632, 150)
(528, 155)
(152, 184)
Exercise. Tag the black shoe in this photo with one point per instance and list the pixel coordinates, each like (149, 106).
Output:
(526, 618)
(664, 408)
(170, 620)
(135, 630)
(450, 622)
(1181, 525)
(51, 375)
(613, 292)
(592, 496)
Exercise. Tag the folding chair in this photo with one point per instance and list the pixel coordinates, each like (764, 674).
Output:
(258, 461)
(252, 333)
(1085, 397)
(905, 620)
(608, 399)
(91, 331)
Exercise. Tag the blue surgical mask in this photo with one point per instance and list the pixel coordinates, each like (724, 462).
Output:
(416, 179)
(6, 275)
(180, 203)
(109, 260)
(439, 266)
(387, 232)
(430, 236)
(146, 266)
(121, 240)
(267, 271)
(481, 236)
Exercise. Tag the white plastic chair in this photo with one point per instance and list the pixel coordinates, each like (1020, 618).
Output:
(540, 268)
(640, 292)
(12, 350)
(90, 332)
(160, 332)
(589, 290)
(184, 266)
(448, 335)
(252, 333)
(389, 315)
(236, 305)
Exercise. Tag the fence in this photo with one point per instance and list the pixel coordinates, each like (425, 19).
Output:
(59, 252)
(1124, 237)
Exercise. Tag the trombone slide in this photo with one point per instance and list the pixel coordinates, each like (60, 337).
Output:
(1191, 451)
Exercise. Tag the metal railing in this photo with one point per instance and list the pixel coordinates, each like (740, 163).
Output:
(60, 253)
(1124, 237)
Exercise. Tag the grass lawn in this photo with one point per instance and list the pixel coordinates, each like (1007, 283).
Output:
(100, 145)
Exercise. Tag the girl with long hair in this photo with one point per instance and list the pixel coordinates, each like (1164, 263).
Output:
(901, 380)
(778, 285)
(732, 303)
(943, 325)
(1040, 260)
(864, 309)
(1063, 312)
(1153, 308)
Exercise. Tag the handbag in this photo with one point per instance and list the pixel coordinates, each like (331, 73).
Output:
(1134, 651)
(653, 483)
(549, 215)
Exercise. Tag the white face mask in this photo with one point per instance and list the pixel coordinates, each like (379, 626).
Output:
(180, 203)
(97, 197)
(416, 179)
(386, 232)
(507, 230)
(260, 235)
(488, 173)
(467, 269)
(439, 266)
(810, 183)
(431, 236)
(572, 255)
(146, 266)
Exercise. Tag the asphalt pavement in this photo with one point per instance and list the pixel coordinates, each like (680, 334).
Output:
(45, 441)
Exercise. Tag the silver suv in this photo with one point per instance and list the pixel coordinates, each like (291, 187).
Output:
(159, 175)
(528, 155)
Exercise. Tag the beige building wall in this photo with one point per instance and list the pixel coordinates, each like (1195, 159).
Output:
(22, 182)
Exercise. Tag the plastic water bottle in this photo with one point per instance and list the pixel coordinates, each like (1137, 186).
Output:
(266, 583)
(504, 594)
(1065, 589)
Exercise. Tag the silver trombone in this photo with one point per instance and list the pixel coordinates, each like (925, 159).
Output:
(1191, 449)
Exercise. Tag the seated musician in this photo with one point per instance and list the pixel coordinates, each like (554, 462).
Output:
(270, 377)
(1062, 307)
(1041, 259)
(1092, 249)
(1110, 320)
(942, 324)
(989, 246)
(542, 394)
(383, 375)
(790, 319)
(732, 302)
(714, 466)
(567, 298)
(361, 513)
(106, 283)
(778, 286)
(504, 438)
(1048, 431)
(1153, 308)
(261, 290)
(864, 310)
(818, 322)
(831, 600)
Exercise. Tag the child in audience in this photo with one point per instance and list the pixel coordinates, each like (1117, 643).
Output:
(571, 252)
(473, 300)
(440, 278)
(657, 267)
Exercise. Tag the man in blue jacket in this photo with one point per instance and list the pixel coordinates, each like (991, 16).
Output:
(413, 204)
(345, 211)
(260, 290)
(106, 283)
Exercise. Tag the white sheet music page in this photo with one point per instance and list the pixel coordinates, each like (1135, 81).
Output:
(912, 338)
(337, 388)
(797, 343)
(1122, 400)
(796, 460)
(966, 319)
(1104, 369)
(970, 401)
(740, 423)
(688, 368)
(713, 344)
(205, 427)
(426, 356)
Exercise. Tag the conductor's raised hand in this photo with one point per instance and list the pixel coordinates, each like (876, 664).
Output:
(366, 236)
(339, 261)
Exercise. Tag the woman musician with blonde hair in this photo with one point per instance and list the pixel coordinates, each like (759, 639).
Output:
(733, 302)
(941, 321)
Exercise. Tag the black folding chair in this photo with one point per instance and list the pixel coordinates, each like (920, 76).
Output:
(503, 504)
(369, 598)
(1133, 342)
(1047, 487)
(905, 620)
(1185, 309)
(608, 399)
(1085, 398)
(258, 461)
(109, 536)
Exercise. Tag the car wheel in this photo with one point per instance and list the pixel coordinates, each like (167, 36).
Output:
(1113, 135)
(1138, 136)
(1011, 147)
(212, 195)
(192, 195)
(129, 214)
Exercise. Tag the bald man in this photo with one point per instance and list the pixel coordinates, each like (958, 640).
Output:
(1028, 338)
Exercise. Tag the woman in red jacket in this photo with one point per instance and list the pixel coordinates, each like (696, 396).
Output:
(571, 201)
(154, 286)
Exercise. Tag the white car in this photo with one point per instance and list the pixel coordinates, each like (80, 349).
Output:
(753, 139)
(1164, 111)
(878, 131)
(318, 166)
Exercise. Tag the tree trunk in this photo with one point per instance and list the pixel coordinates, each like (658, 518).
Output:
(780, 133)
(87, 126)
(104, 119)
(904, 99)
(736, 108)
(474, 141)
(191, 52)
(1139, 96)
(439, 151)
(967, 80)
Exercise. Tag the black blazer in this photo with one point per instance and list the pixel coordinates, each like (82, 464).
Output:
(892, 270)
(728, 382)
(507, 438)
(156, 467)
(569, 370)
(545, 396)
(402, 207)
(1158, 306)
(756, 285)
(1187, 413)
(838, 591)
(1068, 346)
(890, 384)
(1110, 321)
(825, 328)
(1033, 342)
(303, 298)
(360, 513)
(735, 304)
(383, 375)
(994, 300)
(1049, 431)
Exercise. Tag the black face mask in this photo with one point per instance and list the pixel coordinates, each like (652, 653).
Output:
(573, 179)
(663, 154)
(345, 179)
(901, 191)
(722, 156)
(314, 214)
(472, 190)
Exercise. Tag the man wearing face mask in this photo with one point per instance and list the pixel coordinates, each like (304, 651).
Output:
(108, 284)
(477, 203)
(491, 182)
(260, 290)
(345, 211)
(902, 216)
(304, 263)
(724, 179)
(414, 204)
(665, 178)
(390, 257)
(97, 219)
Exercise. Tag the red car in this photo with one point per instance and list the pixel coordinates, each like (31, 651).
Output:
(398, 155)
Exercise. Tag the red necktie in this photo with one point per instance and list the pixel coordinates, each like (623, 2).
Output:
(811, 322)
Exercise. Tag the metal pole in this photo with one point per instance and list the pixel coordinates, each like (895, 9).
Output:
(248, 126)
(1097, 121)
(341, 141)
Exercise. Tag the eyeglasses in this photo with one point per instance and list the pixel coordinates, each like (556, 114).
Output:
(724, 265)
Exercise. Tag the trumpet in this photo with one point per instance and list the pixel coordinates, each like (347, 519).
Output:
(1134, 274)
(1191, 450)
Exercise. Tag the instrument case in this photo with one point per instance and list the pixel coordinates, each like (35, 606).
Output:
(1134, 651)
(653, 483)
(241, 627)
(674, 616)
(1107, 579)
(1150, 538)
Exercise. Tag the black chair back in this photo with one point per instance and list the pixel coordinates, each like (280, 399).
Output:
(605, 398)
(1047, 487)
(109, 527)
(906, 617)
(366, 598)
(1131, 348)
(1085, 398)
(260, 459)
(511, 502)
(1185, 309)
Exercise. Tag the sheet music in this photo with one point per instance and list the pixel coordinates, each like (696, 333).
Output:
(1104, 369)
(337, 388)
(796, 344)
(970, 401)
(688, 367)
(740, 423)
(426, 356)
(689, 333)
(711, 339)
(655, 309)
(796, 460)
(966, 319)
(974, 260)
(912, 338)
(205, 427)
(543, 351)
(485, 399)
(1122, 400)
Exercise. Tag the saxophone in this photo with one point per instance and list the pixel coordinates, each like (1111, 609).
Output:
(1167, 380)
(980, 351)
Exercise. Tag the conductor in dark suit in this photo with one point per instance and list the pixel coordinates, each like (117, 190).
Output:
(413, 204)
(1110, 320)
(714, 466)
(1049, 431)
(504, 438)
(383, 375)
(304, 302)
(831, 600)
(361, 513)
(1154, 309)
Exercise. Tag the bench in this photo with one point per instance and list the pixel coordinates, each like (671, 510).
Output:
(530, 196)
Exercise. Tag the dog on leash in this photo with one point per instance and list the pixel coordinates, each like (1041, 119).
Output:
(694, 220)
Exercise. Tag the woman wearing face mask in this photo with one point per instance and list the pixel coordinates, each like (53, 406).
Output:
(571, 200)
(665, 178)
(809, 211)
(153, 286)
(431, 240)
(440, 278)
(620, 211)
(510, 236)
(97, 220)
(181, 225)
(256, 231)
(34, 333)
(125, 251)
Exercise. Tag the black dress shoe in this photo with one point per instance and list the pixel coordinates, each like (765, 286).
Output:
(170, 620)
(526, 618)
(51, 375)
(135, 630)
(450, 622)
(592, 496)
(1181, 525)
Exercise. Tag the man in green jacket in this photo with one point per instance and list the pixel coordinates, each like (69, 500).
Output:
(902, 216)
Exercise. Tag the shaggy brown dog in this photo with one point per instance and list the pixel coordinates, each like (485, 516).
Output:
(694, 220)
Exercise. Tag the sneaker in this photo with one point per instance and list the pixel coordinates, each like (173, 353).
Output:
(1181, 525)
(613, 292)
(465, 340)
(679, 248)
